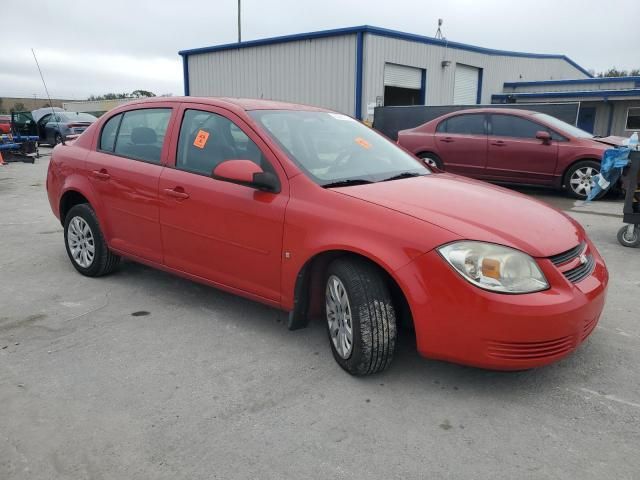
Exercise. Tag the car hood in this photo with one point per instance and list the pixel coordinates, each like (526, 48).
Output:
(476, 210)
(611, 140)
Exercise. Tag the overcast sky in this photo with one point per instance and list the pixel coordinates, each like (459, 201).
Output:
(92, 47)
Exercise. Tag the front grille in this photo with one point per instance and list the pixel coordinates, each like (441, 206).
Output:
(581, 271)
(567, 256)
(529, 350)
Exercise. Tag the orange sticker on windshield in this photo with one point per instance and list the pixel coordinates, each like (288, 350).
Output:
(362, 142)
(201, 139)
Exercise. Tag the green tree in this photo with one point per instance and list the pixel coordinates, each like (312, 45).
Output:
(614, 72)
(142, 93)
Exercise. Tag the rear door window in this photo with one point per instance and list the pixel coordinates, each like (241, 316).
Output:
(515, 127)
(472, 124)
(141, 134)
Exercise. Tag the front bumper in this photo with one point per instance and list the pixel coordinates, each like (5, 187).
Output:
(459, 322)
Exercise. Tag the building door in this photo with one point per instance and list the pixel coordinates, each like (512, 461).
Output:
(465, 89)
(403, 85)
(587, 118)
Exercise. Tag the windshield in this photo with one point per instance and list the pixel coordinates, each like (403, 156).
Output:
(563, 127)
(76, 117)
(333, 148)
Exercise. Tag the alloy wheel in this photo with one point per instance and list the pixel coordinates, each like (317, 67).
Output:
(81, 242)
(339, 316)
(580, 181)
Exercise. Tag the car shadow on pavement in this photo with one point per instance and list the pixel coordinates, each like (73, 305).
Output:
(408, 367)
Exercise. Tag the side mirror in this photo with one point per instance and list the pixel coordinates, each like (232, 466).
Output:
(544, 136)
(245, 172)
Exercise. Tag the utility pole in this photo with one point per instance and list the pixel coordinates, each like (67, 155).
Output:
(239, 26)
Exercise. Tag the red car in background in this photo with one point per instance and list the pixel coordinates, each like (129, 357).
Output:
(312, 212)
(5, 124)
(510, 146)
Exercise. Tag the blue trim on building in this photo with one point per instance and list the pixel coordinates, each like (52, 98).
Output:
(185, 74)
(423, 88)
(573, 82)
(383, 32)
(592, 93)
(479, 94)
(359, 60)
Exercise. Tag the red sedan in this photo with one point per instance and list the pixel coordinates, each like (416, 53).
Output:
(5, 124)
(312, 212)
(510, 146)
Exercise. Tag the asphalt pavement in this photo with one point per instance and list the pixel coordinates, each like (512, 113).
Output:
(144, 375)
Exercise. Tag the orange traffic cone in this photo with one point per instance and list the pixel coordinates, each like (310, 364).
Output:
(2, 160)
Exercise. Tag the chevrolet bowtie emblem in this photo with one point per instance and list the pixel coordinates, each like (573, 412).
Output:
(583, 259)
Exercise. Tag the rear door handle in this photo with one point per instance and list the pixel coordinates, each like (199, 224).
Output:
(499, 143)
(447, 140)
(101, 174)
(177, 192)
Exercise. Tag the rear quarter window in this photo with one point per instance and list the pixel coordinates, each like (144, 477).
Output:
(108, 135)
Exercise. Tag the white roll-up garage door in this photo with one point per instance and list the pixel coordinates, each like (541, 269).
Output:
(465, 88)
(402, 76)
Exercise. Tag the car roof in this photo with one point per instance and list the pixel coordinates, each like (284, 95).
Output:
(233, 103)
(516, 111)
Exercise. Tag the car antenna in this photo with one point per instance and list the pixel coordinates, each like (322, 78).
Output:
(46, 90)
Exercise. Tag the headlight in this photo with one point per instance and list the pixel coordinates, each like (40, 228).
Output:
(494, 267)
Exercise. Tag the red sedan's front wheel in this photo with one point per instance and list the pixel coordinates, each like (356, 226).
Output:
(580, 178)
(361, 320)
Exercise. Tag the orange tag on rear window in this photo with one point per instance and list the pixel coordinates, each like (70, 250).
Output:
(201, 139)
(362, 142)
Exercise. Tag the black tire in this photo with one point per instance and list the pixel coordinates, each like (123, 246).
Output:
(57, 139)
(104, 261)
(583, 164)
(626, 241)
(373, 318)
(431, 159)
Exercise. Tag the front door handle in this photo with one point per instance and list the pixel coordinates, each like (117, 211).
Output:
(177, 192)
(447, 140)
(101, 174)
(499, 143)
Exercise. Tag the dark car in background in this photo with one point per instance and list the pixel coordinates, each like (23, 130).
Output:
(5, 124)
(514, 146)
(57, 125)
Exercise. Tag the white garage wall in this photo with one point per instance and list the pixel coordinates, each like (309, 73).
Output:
(497, 69)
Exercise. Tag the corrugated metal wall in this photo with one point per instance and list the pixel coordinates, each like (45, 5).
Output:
(316, 72)
(618, 125)
(440, 81)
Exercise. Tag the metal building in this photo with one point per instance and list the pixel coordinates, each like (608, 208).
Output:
(351, 70)
(608, 106)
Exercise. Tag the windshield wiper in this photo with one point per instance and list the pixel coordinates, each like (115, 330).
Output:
(403, 175)
(347, 183)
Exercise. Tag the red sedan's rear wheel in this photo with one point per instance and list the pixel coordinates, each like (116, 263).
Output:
(431, 159)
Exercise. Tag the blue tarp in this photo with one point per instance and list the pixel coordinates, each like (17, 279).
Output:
(613, 161)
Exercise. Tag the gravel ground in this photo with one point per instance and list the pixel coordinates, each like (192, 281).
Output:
(143, 375)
